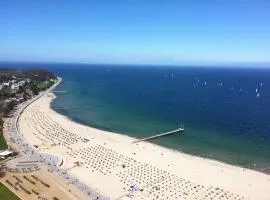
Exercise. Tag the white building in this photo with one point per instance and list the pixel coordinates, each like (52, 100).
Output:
(28, 80)
(5, 154)
(10, 99)
(21, 83)
(15, 86)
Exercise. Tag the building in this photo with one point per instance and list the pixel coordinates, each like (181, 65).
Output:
(10, 99)
(15, 86)
(5, 154)
(22, 83)
(6, 84)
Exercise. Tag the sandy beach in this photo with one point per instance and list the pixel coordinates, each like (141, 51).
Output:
(114, 166)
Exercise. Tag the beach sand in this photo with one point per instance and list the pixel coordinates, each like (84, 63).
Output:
(111, 163)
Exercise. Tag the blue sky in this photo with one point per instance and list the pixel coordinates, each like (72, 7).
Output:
(136, 31)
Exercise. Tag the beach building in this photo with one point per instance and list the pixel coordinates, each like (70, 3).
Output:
(6, 84)
(5, 154)
(15, 86)
(22, 83)
(10, 99)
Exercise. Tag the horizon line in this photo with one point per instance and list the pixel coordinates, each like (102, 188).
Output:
(210, 64)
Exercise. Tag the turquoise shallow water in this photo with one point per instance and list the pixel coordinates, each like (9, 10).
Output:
(225, 111)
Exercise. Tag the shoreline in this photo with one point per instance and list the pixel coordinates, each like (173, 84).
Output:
(120, 144)
(260, 170)
(155, 144)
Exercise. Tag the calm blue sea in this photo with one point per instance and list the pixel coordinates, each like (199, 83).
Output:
(225, 111)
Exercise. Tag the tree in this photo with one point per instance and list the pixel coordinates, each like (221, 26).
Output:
(9, 107)
(24, 96)
(34, 89)
(1, 123)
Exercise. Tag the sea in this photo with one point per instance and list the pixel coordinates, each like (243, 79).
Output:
(225, 111)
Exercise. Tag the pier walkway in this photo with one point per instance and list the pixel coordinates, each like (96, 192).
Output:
(60, 91)
(160, 135)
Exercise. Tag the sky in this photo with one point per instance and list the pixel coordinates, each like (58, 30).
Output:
(136, 31)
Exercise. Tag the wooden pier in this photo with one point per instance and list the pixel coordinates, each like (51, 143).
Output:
(71, 108)
(60, 91)
(160, 135)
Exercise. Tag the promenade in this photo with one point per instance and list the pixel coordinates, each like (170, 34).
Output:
(49, 161)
